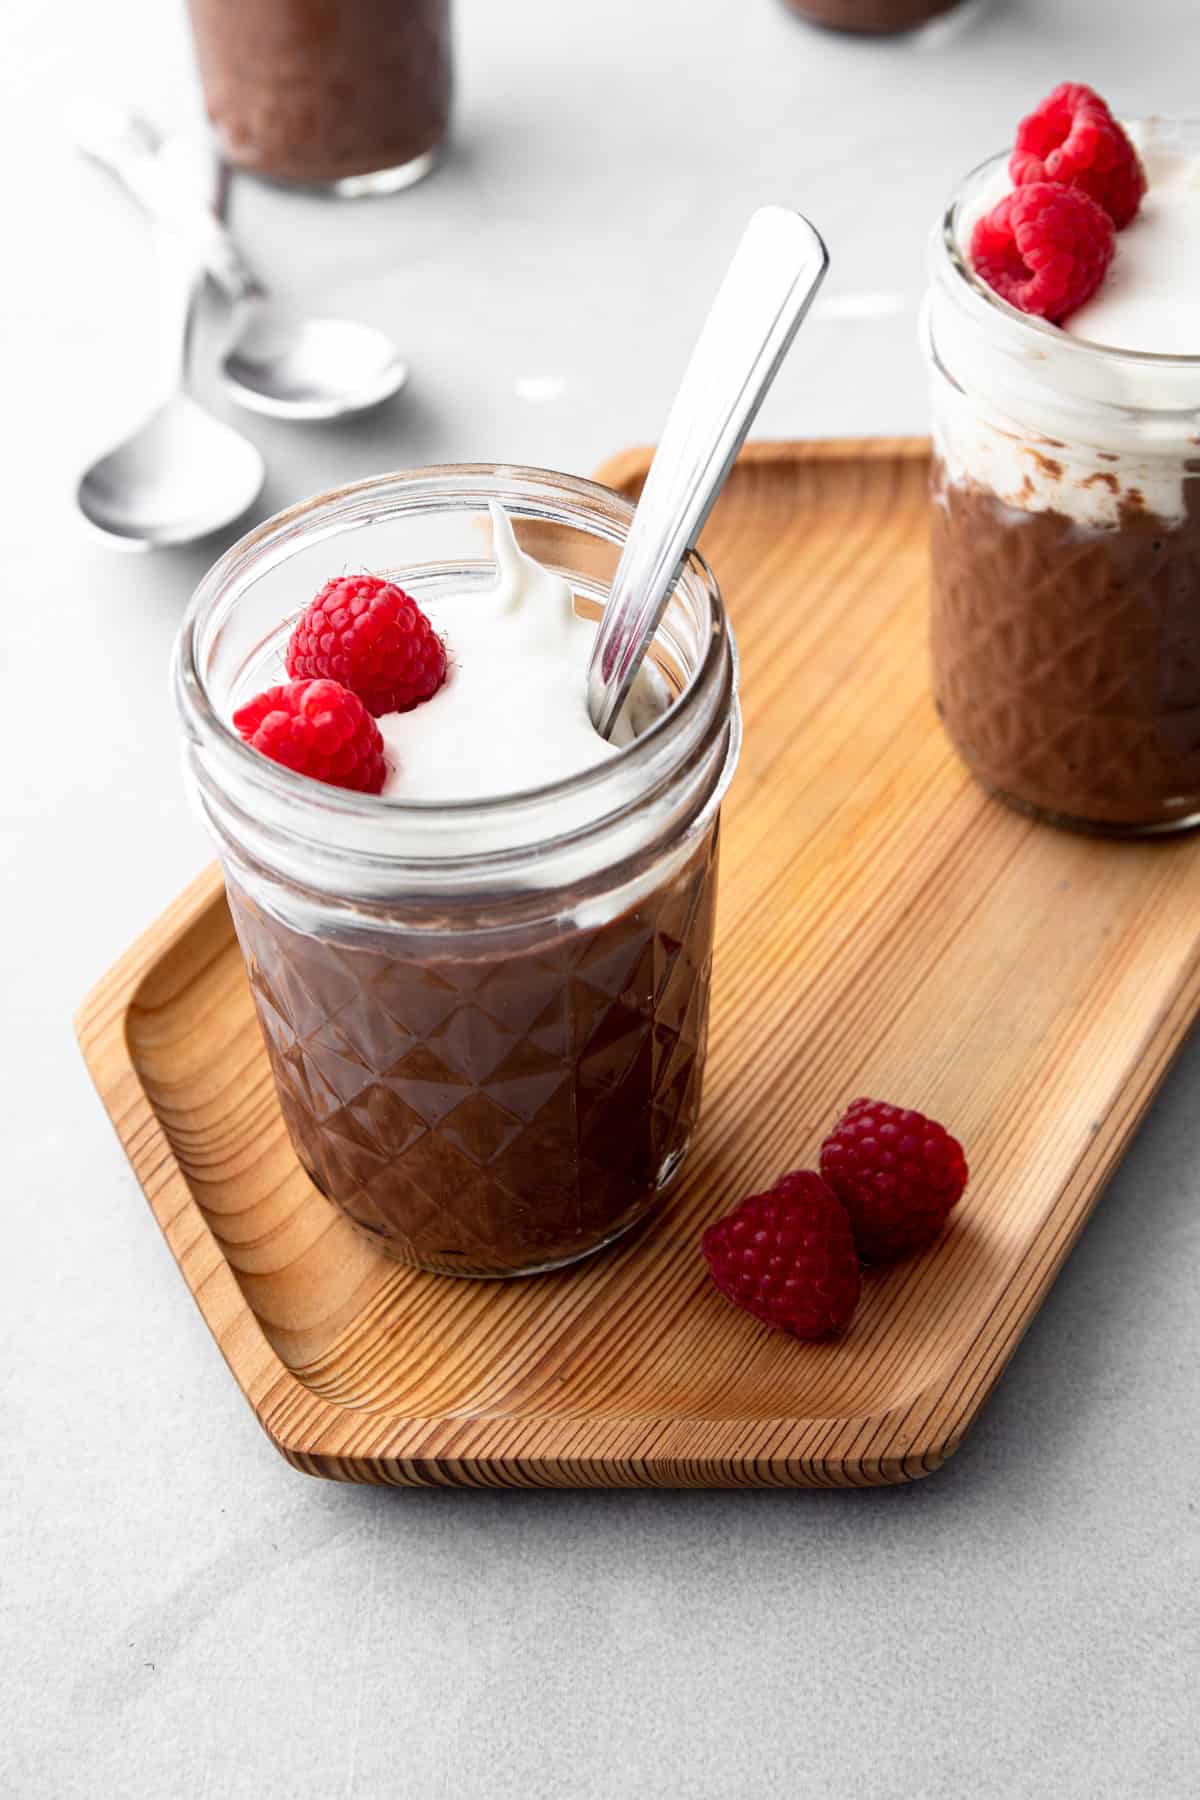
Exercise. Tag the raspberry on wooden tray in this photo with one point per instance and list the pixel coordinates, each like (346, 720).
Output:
(898, 1175)
(787, 1257)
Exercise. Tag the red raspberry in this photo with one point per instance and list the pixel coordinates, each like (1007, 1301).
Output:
(1072, 138)
(787, 1256)
(1044, 248)
(897, 1174)
(317, 728)
(372, 637)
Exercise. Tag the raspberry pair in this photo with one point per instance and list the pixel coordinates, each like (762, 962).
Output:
(363, 647)
(1077, 181)
(889, 1179)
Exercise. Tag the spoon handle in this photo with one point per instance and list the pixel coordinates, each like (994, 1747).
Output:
(180, 285)
(130, 149)
(776, 270)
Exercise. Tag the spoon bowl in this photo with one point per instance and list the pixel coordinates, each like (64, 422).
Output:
(310, 369)
(179, 476)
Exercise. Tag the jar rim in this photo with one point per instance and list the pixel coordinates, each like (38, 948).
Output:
(409, 487)
(1033, 330)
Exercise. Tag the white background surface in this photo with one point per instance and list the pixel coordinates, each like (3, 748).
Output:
(181, 1613)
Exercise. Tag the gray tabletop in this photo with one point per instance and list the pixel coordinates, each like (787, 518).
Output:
(182, 1614)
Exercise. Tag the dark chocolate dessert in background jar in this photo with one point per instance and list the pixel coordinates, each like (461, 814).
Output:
(1065, 623)
(348, 94)
(874, 18)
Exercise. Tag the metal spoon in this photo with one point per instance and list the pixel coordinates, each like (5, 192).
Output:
(183, 473)
(291, 369)
(769, 286)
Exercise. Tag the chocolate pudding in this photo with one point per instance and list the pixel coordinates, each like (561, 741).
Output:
(324, 91)
(493, 1113)
(878, 18)
(1066, 658)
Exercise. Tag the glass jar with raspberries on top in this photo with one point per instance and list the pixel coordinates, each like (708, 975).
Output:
(479, 936)
(1062, 330)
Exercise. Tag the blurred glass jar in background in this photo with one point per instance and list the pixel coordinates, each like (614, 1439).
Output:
(353, 95)
(871, 17)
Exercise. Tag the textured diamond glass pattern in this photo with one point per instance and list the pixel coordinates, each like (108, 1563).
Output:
(484, 1114)
(1067, 658)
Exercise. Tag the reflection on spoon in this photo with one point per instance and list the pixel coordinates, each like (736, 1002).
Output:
(182, 473)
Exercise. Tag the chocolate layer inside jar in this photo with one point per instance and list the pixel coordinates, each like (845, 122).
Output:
(872, 16)
(500, 1112)
(322, 90)
(1066, 656)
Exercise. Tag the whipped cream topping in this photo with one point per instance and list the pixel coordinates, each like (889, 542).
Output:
(1089, 406)
(512, 713)
(1150, 298)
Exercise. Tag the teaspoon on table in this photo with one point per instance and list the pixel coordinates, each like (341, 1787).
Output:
(183, 473)
(768, 288)
(290, 369)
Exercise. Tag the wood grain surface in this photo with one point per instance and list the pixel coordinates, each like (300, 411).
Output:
(884, 928)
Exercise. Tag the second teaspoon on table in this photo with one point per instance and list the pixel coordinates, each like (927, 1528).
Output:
(182, 473)
(290, 369)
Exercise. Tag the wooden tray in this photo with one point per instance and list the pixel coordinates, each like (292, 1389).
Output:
(884, 928)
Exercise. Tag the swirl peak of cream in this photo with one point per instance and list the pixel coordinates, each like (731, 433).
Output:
(512, 713)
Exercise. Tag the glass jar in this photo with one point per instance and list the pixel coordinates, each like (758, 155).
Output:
(1065, 550)
(873, 18)
(352, 95)
(487, 1021)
